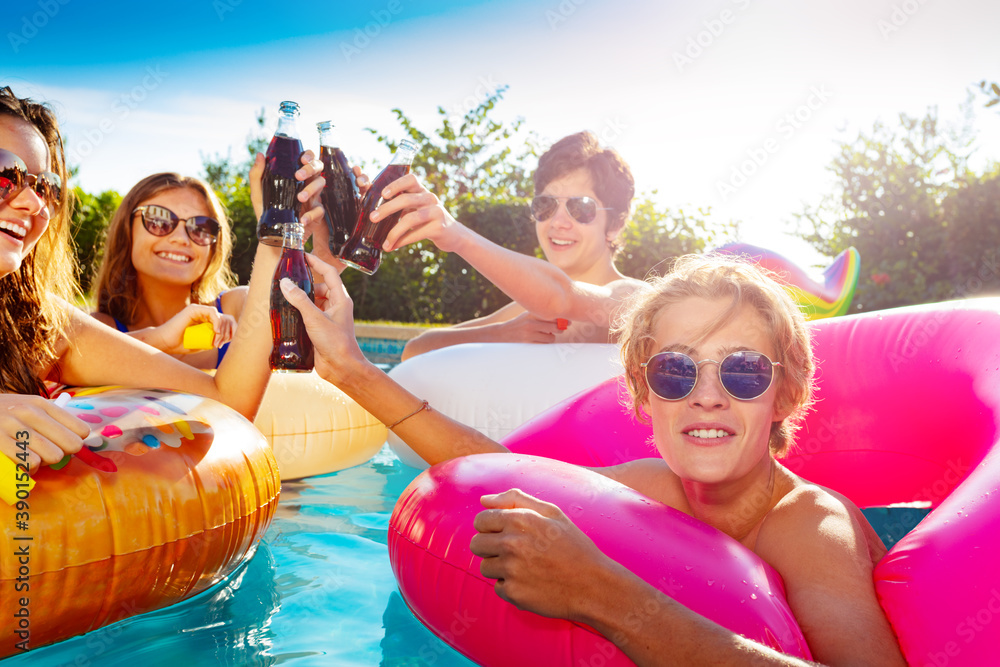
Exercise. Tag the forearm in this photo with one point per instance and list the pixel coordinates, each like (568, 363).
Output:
(653, 629)
(536, 285)
(435, 339)
(431, 434)
(243, 375)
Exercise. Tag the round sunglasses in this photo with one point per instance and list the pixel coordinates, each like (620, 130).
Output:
(14, 177)
(161, 221)
(582, 209)
(745, 375)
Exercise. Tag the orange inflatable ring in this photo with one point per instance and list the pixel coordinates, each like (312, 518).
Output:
(314, 427)
(171, 494)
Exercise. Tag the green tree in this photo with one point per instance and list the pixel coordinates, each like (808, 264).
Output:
(477, 166)
(926, 226)
(992, 93)
(653, 237)
(91, 215)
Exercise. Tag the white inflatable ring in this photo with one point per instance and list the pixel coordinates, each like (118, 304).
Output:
(496, 387)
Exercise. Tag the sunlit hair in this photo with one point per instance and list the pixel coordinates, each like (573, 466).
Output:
(746, 285)
(118, 292)
(609, 173)
(32, 322)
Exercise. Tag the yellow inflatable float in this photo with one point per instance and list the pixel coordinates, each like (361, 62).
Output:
(314, 428)
(170, 495)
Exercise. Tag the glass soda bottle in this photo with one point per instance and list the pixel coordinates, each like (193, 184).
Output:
(341, 198)
(292, 351)
(279, 185)
(363, 249)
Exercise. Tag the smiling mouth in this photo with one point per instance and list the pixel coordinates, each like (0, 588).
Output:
(561, 242)
(708, 433)
(13, 229)
(174, 257)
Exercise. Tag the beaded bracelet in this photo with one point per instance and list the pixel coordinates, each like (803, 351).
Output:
(423, 406)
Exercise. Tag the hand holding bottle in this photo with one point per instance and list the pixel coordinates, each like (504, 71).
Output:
(423, 216)
(363, 250)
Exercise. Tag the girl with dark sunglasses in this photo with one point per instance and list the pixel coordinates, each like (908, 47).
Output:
(161, 274)
(44, 338)
(719, 359)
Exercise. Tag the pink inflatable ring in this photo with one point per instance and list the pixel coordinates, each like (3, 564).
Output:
(908, 412)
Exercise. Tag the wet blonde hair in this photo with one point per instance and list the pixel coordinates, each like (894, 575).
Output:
(117, 281)
(746, 285)
(31, 321)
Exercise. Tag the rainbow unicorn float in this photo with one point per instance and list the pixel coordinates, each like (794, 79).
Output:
(830, 298)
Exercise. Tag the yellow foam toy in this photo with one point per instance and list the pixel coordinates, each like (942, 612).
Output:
(199, 336)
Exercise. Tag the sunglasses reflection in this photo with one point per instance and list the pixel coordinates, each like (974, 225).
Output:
(14, 177)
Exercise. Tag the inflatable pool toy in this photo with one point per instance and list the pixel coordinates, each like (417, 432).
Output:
(908, 412)
(199, 336)
(496, 387)
(688, 560)
(831, 298)
(314, 427)
(172, 495)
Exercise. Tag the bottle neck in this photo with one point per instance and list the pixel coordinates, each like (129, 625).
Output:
(405, 152)
(327, 135)
(292, 233)
(286, 127)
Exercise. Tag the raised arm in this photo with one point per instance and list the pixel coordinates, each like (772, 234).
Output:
(339, 360)
(538, 286)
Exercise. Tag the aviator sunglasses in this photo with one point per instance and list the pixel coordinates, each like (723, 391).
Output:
(745, 375)
(14, 177)
(581, 209)
(160, 221)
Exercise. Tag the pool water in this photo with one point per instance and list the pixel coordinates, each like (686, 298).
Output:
(319, 591)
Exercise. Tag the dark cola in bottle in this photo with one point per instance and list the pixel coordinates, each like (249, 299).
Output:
(363, 250)
(341, 198)
(292, 351)
(279, 185)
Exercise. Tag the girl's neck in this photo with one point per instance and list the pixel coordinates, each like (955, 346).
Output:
(158, 302)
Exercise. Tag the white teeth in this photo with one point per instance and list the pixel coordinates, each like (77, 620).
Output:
(561, 242)
(173, 256)
(14, 228)
(707, 433)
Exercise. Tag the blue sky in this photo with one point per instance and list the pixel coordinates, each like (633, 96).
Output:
(688, 93)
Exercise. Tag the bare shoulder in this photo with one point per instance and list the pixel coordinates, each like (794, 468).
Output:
(103, 318)
(625, 287)
(652, 478)
(233, 300)
(821, 545)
